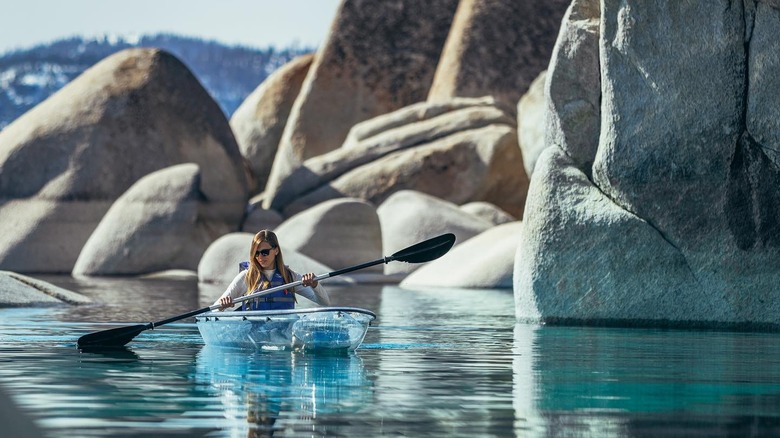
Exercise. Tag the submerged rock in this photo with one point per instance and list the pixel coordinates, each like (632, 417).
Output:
(18, 290)
(17, 422)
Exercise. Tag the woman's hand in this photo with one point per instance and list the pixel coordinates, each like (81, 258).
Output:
(309, 281)
(225, 302)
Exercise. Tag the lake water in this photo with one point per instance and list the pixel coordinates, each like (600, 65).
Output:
(435, 363)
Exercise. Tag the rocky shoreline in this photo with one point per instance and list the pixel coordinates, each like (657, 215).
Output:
(635, 141)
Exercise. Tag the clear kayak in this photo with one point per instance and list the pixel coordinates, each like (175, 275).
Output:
(321, 328)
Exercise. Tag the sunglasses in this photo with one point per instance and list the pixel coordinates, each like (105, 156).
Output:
(263, 252)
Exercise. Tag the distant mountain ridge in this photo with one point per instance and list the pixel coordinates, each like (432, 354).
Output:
(228, 73)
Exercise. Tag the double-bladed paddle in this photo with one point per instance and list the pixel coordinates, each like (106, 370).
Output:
(422, 252)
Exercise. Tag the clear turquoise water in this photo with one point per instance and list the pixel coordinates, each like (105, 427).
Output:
(435, 363)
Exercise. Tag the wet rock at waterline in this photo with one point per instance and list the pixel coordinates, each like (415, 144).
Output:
(18, 290)
(676, 221)
(131, 114)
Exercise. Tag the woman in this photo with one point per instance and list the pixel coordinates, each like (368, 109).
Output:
(267, 270)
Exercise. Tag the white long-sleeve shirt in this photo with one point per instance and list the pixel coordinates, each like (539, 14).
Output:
(238, 287)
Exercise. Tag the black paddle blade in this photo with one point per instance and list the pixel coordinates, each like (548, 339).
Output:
(111, 338)
(427, 250)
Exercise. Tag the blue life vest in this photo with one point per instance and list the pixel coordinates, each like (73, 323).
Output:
(279, 300)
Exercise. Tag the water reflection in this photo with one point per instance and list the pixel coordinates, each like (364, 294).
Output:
(619, 382)
(443, 363)
(274, 390)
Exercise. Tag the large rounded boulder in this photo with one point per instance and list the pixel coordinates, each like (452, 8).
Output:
(486, 261)
(657, 199)
(496, 48)
(135, 112)
(160, 223)
(409, 217)
(220, 263)
(338, 233)
(379, 56)
(259, 122)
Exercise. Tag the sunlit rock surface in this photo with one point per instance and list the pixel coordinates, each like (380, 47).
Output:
(485, 261)
(460, 151)
(67, 160)
(162, 222)
(259, 122)
(338, 233)
(497, 48)
(378, 57)
(409, 217)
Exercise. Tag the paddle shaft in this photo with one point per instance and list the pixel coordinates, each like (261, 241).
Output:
(419, 253)
(270, 291)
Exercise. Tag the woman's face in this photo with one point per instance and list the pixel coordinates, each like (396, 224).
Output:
(266, 255)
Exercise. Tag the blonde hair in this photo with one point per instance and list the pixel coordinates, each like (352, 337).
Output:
(254, 275)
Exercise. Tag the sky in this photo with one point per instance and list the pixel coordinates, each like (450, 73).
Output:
(253, 23)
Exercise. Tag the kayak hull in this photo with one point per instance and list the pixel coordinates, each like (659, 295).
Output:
(322, 328)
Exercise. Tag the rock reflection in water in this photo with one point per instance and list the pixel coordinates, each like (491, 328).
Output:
(592, 381)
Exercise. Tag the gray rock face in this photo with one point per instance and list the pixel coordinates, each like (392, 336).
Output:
(679, 221)
(583, 258)
(462, 151)
(531, 116)
(497, 48)
(259, 122)
(574, 86)
(162, 222)
(337, 233)
(408, 217)
(489, 212)
(490, 257)
(379, 57)
(259, 218)
(133, 113)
